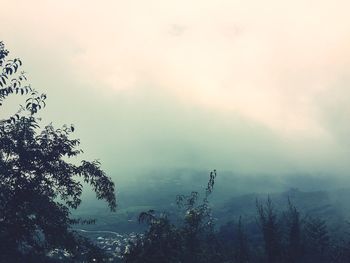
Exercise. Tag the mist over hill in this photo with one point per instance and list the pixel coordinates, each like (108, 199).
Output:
(234, 195)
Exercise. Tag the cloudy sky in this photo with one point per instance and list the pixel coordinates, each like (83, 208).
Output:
(249, 86)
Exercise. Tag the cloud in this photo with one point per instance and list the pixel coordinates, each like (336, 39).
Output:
(278, 66)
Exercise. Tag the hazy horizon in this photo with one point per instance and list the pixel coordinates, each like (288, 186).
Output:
(251, 87)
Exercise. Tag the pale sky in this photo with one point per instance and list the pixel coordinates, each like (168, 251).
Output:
(253, 86)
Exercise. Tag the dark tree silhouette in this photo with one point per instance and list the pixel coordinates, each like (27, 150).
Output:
(317, 240)
(242, 247)
(294, 248)
(268, 222)
(14, 82)
(38, 184)
(191, 241)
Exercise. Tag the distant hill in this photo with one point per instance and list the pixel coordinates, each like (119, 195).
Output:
(332, 205)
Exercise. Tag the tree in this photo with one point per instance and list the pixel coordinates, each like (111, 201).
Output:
(268, 222)
(294, 240)
(317, 239)
(161, 242)
(38, 184)
(14, 82)
(192, 240)
(242, 249)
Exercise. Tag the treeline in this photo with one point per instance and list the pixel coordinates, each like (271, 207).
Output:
(271, 236)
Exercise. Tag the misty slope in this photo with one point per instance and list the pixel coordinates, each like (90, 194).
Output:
(227, 204)
(159, 188)
(329, 205)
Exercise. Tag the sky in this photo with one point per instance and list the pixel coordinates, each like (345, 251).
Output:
(245, 86)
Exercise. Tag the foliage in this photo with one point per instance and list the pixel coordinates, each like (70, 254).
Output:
(38, 184)
(242, 251)
(14, 82)
(285, 237)
(267, 219)
(317, 240)
(192, 240)
(294, 246)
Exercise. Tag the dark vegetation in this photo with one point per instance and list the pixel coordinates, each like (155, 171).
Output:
(40, 187)
(270, 236)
